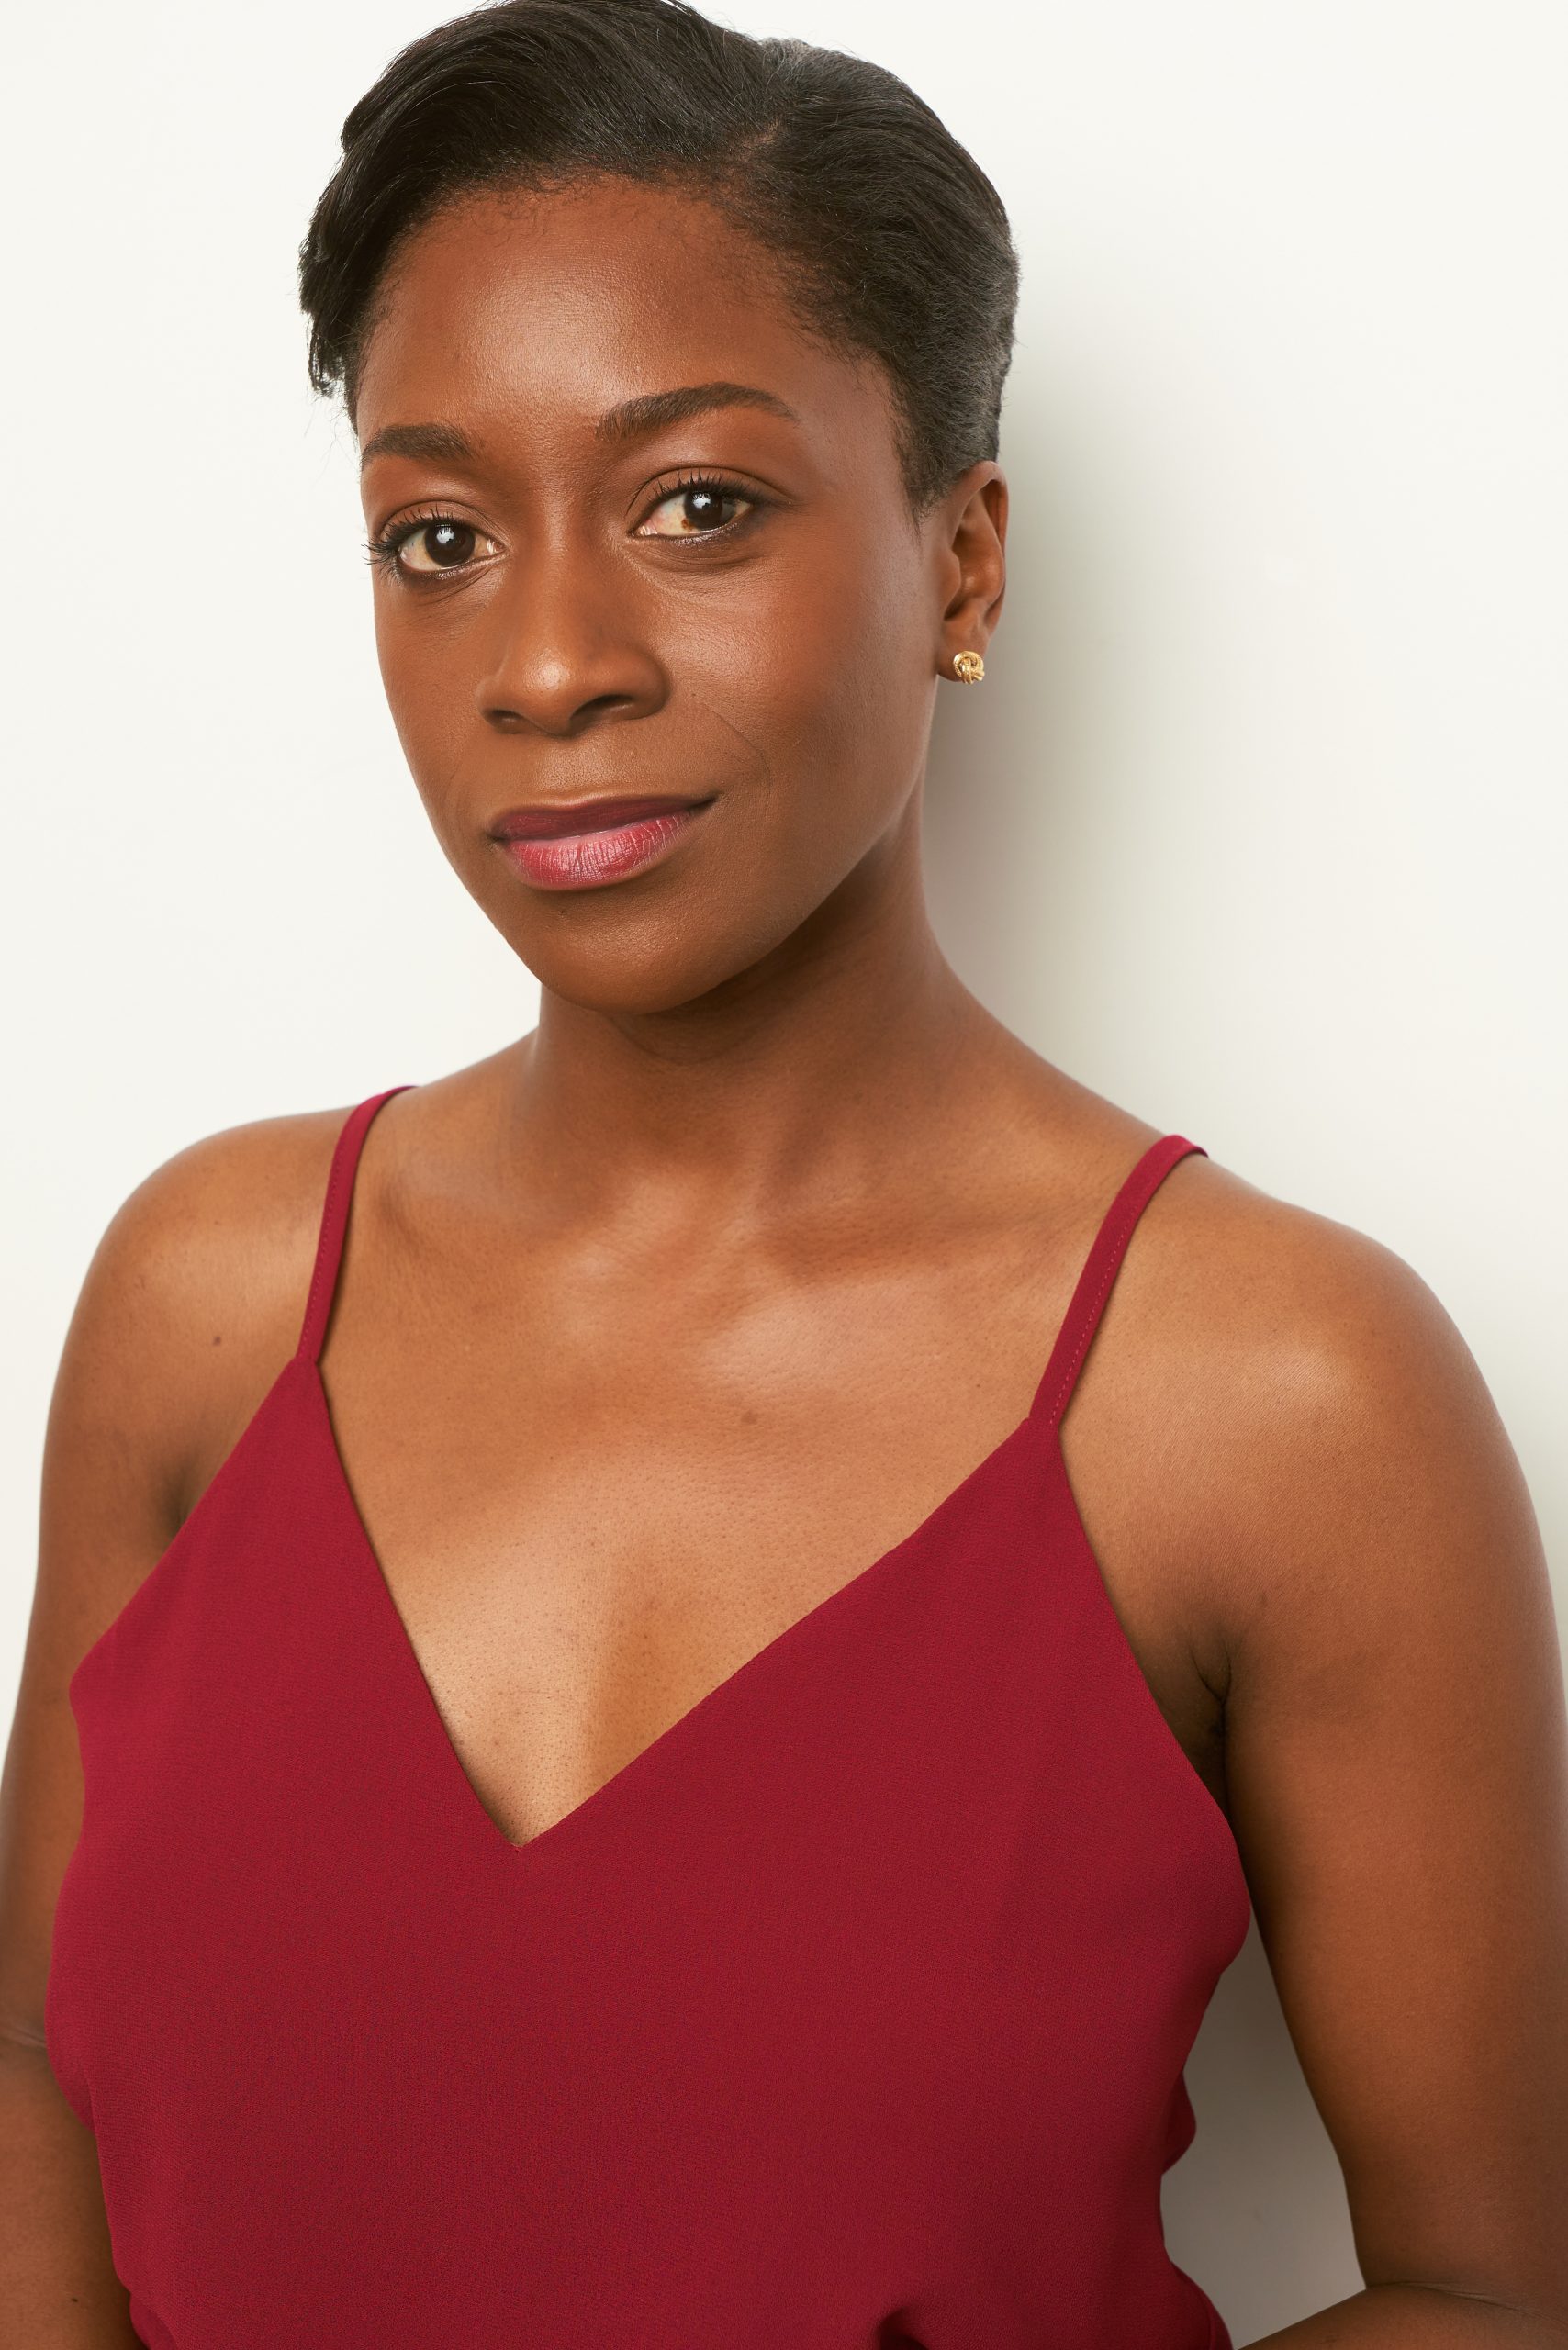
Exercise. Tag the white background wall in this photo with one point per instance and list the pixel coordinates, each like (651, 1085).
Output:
(1258, 825)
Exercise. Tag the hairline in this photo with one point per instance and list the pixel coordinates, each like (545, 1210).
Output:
(795, 279)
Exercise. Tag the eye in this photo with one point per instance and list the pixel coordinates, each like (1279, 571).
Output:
(448, 543)
(696, 510)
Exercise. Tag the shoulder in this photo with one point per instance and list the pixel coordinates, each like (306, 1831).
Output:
(1346, 1499)
(189, 1308)
(193, 1296)
(215, 1226)
(1311, 1347)
(1335, 1480)
(1285, 1308)
(1264, 1376)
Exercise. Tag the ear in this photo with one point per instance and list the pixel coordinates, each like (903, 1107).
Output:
(972, 542)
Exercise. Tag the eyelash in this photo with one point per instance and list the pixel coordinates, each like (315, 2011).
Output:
(383, 551)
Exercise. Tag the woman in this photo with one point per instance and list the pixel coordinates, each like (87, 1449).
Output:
(642, 1774)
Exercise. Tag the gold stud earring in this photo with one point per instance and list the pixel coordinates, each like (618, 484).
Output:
(970, 666)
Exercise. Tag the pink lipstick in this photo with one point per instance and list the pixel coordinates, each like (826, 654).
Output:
(581, 843)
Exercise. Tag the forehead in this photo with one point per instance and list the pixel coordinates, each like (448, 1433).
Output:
(545, 310)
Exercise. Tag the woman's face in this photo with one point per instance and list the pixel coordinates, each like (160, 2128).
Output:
(645, 537)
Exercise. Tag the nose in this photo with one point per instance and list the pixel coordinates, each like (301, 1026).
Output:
(572, 649)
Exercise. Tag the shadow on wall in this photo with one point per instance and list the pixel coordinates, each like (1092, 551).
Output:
(1080, 858)
(1060, 826)
(1012, 773)
(1255, 2210)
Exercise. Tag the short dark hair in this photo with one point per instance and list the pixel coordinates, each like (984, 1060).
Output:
(891, 240)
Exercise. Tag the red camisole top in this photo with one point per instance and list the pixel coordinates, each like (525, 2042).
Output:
(852, 2013)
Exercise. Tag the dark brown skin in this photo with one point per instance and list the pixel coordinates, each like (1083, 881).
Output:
(663, 1322)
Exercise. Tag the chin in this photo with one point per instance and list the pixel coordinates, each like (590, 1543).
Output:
(643, 969)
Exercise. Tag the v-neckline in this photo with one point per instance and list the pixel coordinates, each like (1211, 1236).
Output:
(601, 1801)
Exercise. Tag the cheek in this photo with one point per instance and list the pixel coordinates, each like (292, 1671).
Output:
(423, 674)
(823, 665)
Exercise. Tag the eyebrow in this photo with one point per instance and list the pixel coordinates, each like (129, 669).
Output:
(650, 412)
(442, 443)
(634, 418)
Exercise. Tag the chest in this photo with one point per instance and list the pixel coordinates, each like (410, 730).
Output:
(582, 1541)
(865, 1990)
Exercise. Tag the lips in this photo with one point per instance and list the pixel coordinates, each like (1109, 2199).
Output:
(584, 843)
(554, 819)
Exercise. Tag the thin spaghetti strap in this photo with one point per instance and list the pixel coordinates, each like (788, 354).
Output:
(335, 1220)
(1082, 1318)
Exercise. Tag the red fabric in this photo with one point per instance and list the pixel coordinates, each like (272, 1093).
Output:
(853, 2012)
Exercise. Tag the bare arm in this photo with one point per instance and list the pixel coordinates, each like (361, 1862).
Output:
(185, 1317)
(1397, 1764)
(57, 2277)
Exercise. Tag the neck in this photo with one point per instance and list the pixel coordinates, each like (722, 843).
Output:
(793, 1082)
